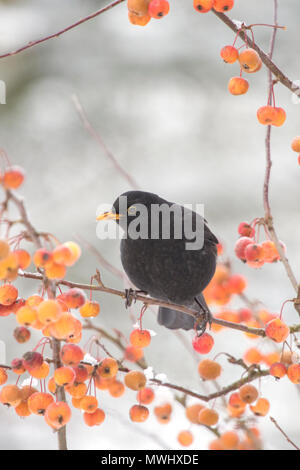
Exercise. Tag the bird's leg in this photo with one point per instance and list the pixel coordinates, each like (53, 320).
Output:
(131, 295)
(204, 318)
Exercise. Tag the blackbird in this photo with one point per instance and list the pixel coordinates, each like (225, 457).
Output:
(163, 265)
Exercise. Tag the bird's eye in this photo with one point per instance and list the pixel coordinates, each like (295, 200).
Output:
(132, 210)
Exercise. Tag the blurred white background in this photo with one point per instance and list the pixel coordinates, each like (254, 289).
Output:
(158, 97)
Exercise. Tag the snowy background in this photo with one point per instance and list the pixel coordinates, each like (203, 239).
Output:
(158, 97)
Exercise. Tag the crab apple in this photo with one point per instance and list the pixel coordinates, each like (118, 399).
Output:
(108, 368)
(139, 7)
(27, 391)
(236, 402)
(293, 373)
(280, 117)
(23, 257)
(10, 395)
(278, 370)
(116, 389)
(229, 440)
(138, 20)
(49, 311)
(229, 54)
(4, 249)
(133, 354)
(63, 327)
(163, 413)
(140, 338)
(209, 370)
(185, 438)
(277, 330)
(270, 253)
(22, 409)
(41, 372)
(102, 383)
(76, 252)
(253, 252)
(245, 314)
(5, 310)
(89, 404)
(13, 177)
(81, 373)
(71, 354)
(42, 258)
(249, 60)
(203, 344)
(236, 284)
(8, 294)
(192, 412)
(62, 255)
(3, 376)
(9, 267)
(271, 358)
(74, 298)
(32, 360)
(58, 414)
(295, 145)
(253, 356)
(203, 6)
(89, 309)
(266, 115)
(238, 86)
(223, 5)
(241, 246)
(55, 271)
(215, 445)
(145, 396)
(235, 412)
(135, 380)
(220, 249)
(77, 390)
(138, 413)
(39, 402)
(245, 230)
(158, 8)
(248, 393)
(94, 419)
(208, 417)
(64, 376)
(261, 407)
(17, 366)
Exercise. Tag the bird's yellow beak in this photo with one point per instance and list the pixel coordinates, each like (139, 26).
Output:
(108, 216)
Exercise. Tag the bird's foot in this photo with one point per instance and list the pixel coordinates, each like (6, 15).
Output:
(203, 319)
(131, 295)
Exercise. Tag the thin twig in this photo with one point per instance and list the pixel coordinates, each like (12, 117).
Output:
(273, 420)
(59, 33)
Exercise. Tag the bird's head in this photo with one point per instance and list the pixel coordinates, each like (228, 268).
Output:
(129, 206)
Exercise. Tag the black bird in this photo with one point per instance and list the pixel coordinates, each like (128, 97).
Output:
(163, 267)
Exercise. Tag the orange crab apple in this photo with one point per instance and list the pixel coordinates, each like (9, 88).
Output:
(17, 366)
(116, 389)
(249, 60)
(229, 440)
(32, 360)
(38, 402)
(58, 414)
(94, 419)
(48, 311)
(64, 376)
(42, 258)
(278, 370)
(240, 247)
(192, 412)
(138, 20)
(261, 407)
(238, 86)
(41, 372)
(89, 309)
(293, 373)
(138, 413)
(185, 438)
(266, 115)
(135, 380)
(277, 330)
(13, 177)
(203, 344)
(8, 294)
(75, 250)
(71, 354)
(145, 396)
(209, 370)
(203, 6)
(10, 395)
(133, 354)
(74, 298)
(26, 315)
(55, 271)
(3, 376)
(163, 413)
(108, 368)
(63, 327)
(248, 393)
(208, 417)
(4, 249)
(89, 404)
(62, 255)
(223, 6)
(280, 117)
(23, 257)
(158, 8)
(140, 338)
(295, 145)
(229, 54)
(77, 390)
(139, 7)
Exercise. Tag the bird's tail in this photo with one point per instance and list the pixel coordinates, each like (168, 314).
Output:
(173, 319)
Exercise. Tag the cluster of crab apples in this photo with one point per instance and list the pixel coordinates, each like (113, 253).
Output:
(140, 12)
